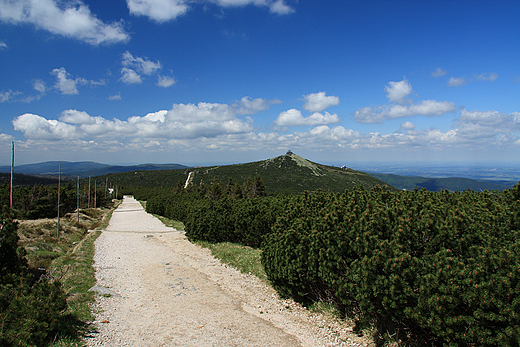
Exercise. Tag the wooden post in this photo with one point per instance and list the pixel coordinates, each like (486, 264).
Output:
(88, 191)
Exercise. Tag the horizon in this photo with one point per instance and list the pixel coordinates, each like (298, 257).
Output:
(235, 81)
(505, 171)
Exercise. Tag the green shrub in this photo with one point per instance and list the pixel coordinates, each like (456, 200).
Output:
(31, 313)
(442, 268)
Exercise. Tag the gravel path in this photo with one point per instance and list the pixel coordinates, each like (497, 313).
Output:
(158, 289)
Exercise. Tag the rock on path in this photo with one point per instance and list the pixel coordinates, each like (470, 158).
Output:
(171, 292)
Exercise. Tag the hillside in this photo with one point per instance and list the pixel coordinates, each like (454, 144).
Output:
(287, 173)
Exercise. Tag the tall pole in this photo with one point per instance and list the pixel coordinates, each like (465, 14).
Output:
(77, 201)
(12, 171)
(59, 188)
(95, 194)
(88, 191)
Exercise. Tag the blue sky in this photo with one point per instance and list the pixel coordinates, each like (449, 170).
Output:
(230, 81)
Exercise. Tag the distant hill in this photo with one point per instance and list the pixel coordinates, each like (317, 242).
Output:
(438, 184)
(287, 173)
(83, 168)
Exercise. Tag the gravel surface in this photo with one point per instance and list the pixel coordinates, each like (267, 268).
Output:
(158, 289)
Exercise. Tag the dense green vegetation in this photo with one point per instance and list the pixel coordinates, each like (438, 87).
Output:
(41, 201)
(31, 313)
(437, 268)
(287, 174)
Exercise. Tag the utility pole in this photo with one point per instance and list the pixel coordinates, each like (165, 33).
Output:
(59, 188)
(77, 199)
(11, 190)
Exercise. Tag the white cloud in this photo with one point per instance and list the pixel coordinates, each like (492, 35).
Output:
(294, 117)
(246, 105)
(70, 19)
(39, 85)
(39, 128)
(76, 117)
(439, 72)
(457, 82)
(158, 10)
(317, 102)
(65, 84)
(280, 7)
(142, 65)
(115, 97)
(397, 92)
(133, 67)
(428, 108)
(165, 10)
(483, 77)
(3, 45)
(183, 121)
(408, 126)
(130, 76)
(8, 96)
(165, 81)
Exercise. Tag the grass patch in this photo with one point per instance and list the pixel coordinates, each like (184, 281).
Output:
(243, 258)
(68, 258)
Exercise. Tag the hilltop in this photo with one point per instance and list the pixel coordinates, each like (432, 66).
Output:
(288, 173)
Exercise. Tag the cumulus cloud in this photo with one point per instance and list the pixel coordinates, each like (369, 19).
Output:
(407, 126)
(39, 85)
(133, 67)
(65, 84)
(317, 102)
(165, 10)
(158, 10)
(397, 92)
(439, 72)
(129, 76)
(39, 128)
(165, 81)
(457, 82)
(143, 65)
(428, 108)
(182, 121)
(294, 117)
(71, 19)
(247, 105)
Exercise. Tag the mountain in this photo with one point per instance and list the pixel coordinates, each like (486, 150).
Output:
(83, 168)
(438, 184)
(287, 173)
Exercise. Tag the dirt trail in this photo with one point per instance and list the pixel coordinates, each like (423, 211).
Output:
(161, 290)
